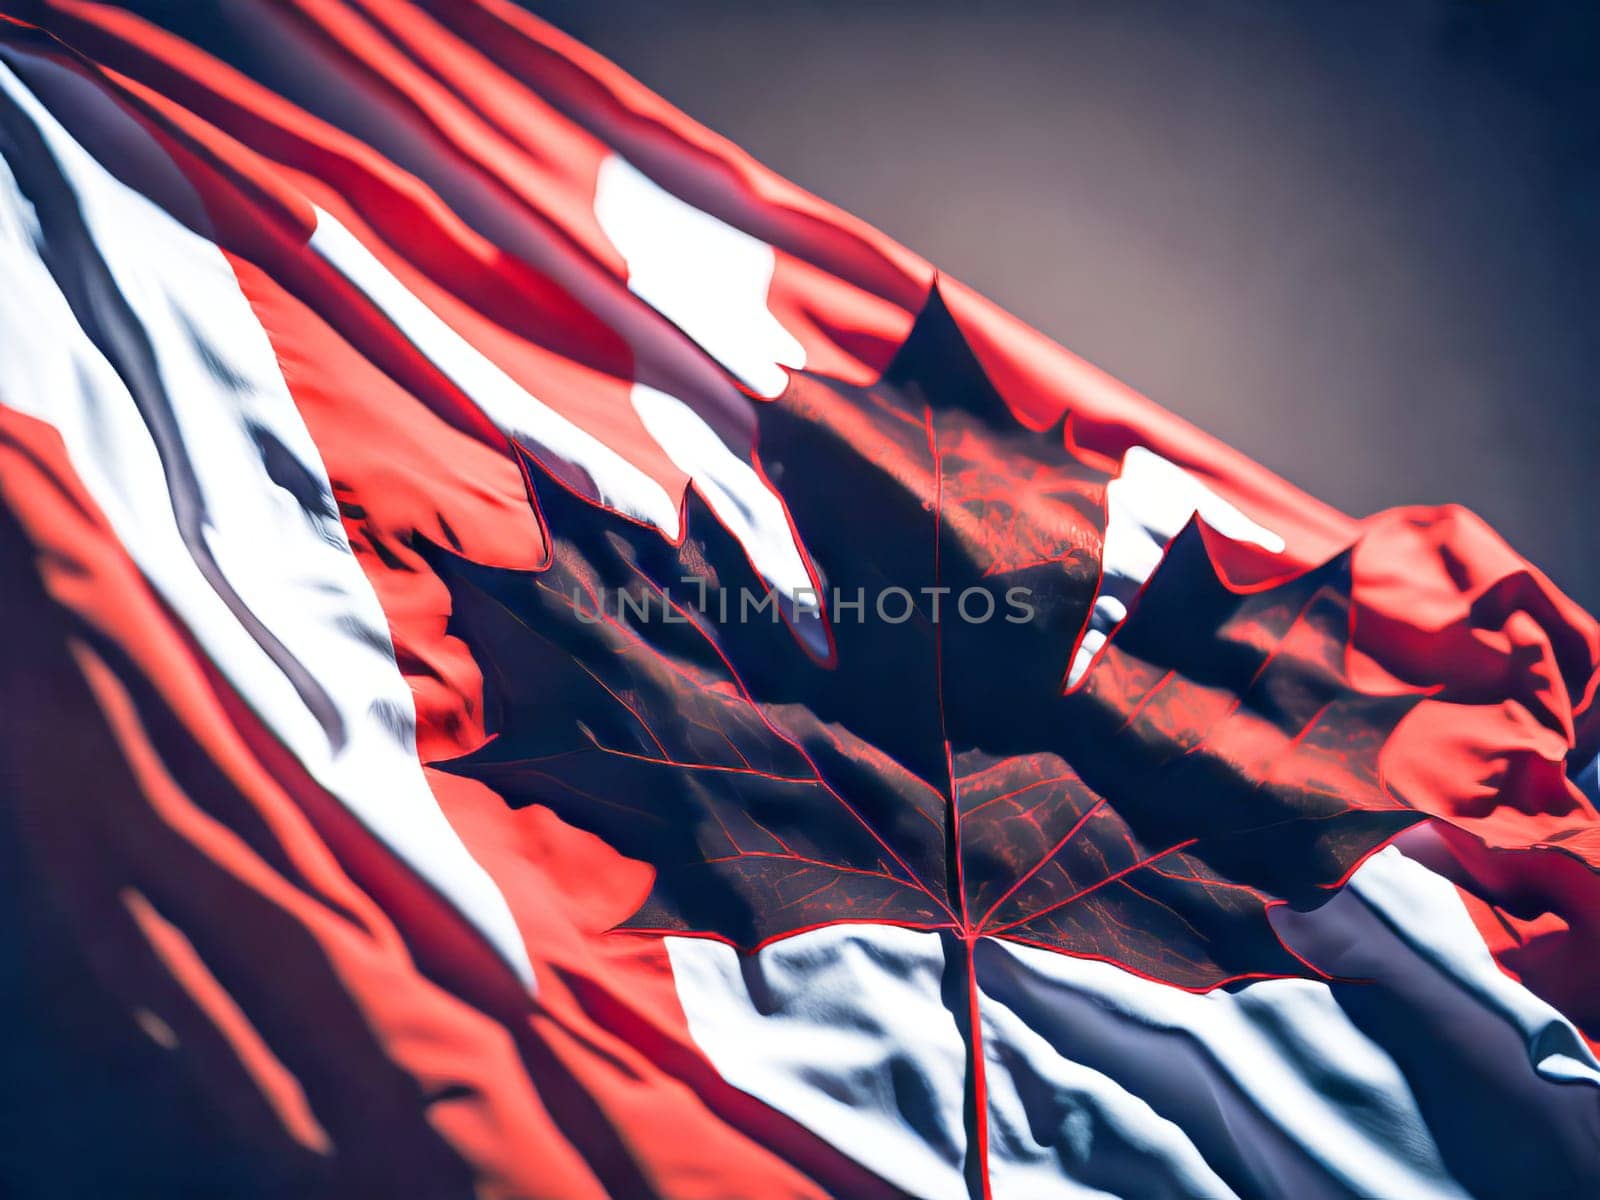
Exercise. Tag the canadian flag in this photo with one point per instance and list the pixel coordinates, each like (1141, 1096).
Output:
(542, 660)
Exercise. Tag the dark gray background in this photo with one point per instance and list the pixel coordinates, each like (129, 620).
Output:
(1359, 241)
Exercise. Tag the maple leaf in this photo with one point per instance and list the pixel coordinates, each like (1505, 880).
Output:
(935, 771)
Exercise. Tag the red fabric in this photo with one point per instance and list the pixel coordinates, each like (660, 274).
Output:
(426, 1069)
(186, 824)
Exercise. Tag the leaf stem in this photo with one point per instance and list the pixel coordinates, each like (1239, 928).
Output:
(961, 997)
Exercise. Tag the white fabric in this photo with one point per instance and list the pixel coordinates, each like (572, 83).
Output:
(1147, 504)
(524, 418)
(293, 571)
(1103, 1083)
(740, 500)
(843, 1030)
(702, 274)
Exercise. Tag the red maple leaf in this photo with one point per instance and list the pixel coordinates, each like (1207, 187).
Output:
(936, 772)
(933, 770)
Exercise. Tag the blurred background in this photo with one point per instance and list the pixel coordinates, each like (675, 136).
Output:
(1360, 241)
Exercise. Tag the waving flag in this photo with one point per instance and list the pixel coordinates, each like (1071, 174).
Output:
(543, 660)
